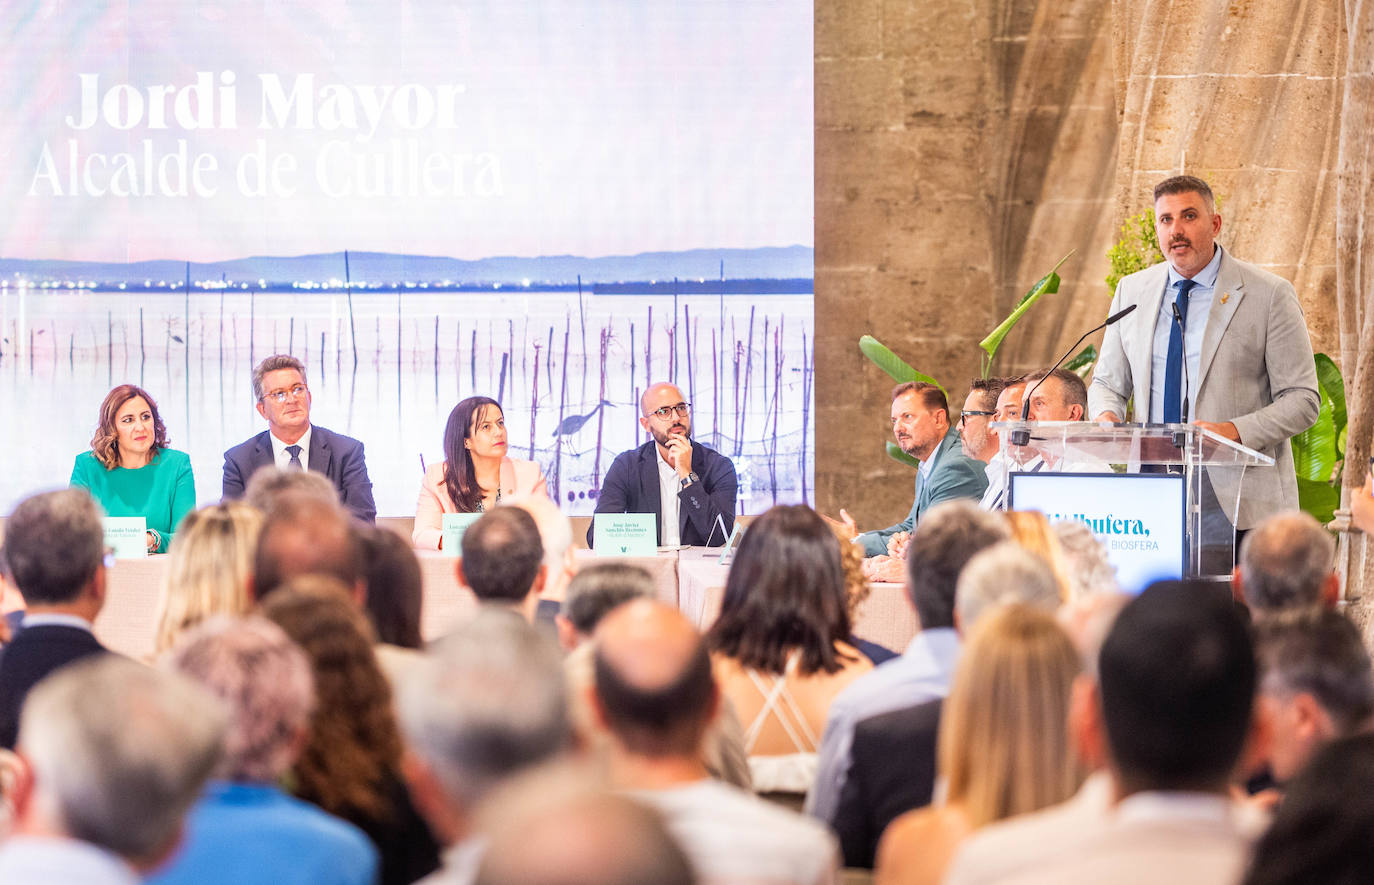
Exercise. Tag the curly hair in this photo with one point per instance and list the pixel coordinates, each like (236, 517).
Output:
(105, 443)
(354, 748)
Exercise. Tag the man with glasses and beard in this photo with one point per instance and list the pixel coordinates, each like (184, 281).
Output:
(691, 487)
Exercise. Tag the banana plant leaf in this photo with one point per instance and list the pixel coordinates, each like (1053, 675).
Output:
(1314, 450)
(895, 453)
(1049, 283)
(892, 364)
(1319, 499)
(1082, 361)
(1329, 377)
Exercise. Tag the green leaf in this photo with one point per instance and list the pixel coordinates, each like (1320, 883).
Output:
(1334, 386)
(1319, 499)
(1314, 450)
(1083, 361)
(895, 453)
(892, 364)
(1049, 283)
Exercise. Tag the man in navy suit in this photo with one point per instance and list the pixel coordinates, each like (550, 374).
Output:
(55, 549)
(293, 443)
(691, 488)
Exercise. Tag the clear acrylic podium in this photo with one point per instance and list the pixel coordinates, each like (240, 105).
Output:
(1207, 462)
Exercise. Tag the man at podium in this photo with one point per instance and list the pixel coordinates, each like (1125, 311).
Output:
(1216, 342)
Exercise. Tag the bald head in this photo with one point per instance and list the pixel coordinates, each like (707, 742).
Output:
(1286, 565)
(654, 684)
(649, 399)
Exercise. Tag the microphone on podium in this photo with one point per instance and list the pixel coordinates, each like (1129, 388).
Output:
(1021, 435)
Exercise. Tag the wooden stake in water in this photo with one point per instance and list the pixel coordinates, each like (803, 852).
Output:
(352, 327)
(534, 397)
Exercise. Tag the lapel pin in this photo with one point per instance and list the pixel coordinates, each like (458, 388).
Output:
(1225, 296)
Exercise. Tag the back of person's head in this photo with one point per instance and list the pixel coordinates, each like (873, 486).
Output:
(209, 567)
(1086, 565)
(654, 687)
(488, 701)
(785, 595)
(270, 483)
(302, 535)
(1176, 679)
(1321, 830)
(600, 587)
(54, 545)
(554, 829)
(1031, 529)
(945, 540)
(1004, 744)
(264, 681)
(395, 592)
(1286, 564)
(354, 744)
(502, 555)
(1001, 574)
(119, 752)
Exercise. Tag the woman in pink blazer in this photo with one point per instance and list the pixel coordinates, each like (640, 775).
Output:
(476, 475)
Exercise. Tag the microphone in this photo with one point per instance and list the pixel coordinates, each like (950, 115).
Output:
(1021, 435)
(1183, 416)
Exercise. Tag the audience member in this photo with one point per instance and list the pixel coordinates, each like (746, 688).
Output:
(11, 602)
(209, 569)
(949, 535)
(503, 560)
(1003, 747)
(1089, 570)
(55, 548)
(781, 643)
(656, 695)
(875, 791)
(856, 591)
(245, 828)
(303, 535)
(1316, 681)
(592, 593)
(270, 483)
(1362, 507)
(395, 595)
(113, 754)
(351, 763)
(1032, 531)
(1321, 831)
(1287, 563)
(487, 703)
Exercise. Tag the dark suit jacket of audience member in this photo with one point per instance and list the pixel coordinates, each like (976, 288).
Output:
(337, 456)
(32, 654)
(892, 770)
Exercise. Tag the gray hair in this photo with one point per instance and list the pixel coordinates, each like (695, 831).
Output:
(490, 700)
(1090, 572)
(1285, 561)
(120, 751)
(264, 679)
(945, 540)
(271, 364)
(269, 483)
(1002, 574)
(1320, 653)
(54, 544)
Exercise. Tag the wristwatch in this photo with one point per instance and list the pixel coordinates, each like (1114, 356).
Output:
(687, 480)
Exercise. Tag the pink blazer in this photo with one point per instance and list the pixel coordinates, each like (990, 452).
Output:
(517, 478)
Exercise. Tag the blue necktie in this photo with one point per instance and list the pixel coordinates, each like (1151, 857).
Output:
(1173, 366)
(295, 462)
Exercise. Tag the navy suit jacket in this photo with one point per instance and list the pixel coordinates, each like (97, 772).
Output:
(32, 654)
(631, 486)
(337, 456)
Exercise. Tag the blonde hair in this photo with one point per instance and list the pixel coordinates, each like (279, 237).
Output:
(1004, 744)
(1032, 530)
(208, 569)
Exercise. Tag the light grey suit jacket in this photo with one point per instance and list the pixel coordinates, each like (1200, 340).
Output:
(1255, 371)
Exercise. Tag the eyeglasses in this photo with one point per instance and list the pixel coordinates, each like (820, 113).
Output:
(963, 418)
(682, 409)
(282, 396)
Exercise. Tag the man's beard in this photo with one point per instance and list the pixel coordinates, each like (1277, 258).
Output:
(661, 436)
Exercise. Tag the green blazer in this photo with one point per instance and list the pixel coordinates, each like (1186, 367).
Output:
(955, 475)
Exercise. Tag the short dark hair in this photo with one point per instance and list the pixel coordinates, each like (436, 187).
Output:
(932, 397)
(54, 544)
(1074, 390)
(1321, 654)
(988, 390)
(944, 541)
(1176, 676)
(1186, 184)
(663, 720)
(394, 589)
(502, 554)
(303, 535)
(785, 593)
(600, 587)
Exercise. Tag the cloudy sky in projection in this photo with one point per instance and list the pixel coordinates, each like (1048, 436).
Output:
(216, 130)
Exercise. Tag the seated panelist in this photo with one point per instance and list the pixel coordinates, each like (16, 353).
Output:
(129, 469)
(476, 473)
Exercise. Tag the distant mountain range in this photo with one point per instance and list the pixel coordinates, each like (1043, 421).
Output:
(380, 269)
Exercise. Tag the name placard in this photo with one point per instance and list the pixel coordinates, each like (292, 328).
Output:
(454, 525)
(625, 534)
(128, 535)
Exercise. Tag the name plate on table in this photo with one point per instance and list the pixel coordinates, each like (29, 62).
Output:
(625, 534)
(454, 525)
(128, 535)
